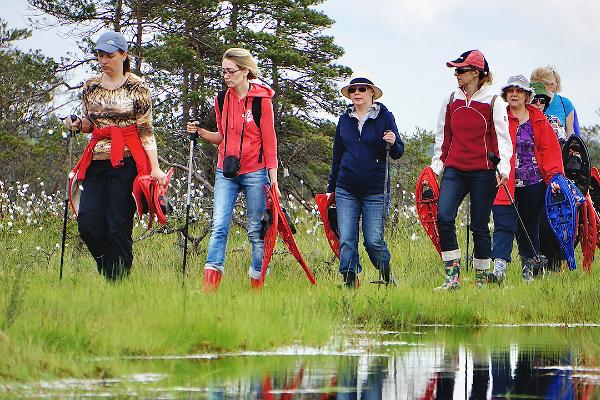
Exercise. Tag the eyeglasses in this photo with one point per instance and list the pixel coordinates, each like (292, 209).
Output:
(517, 89)
(225, 71)
(540, 100)
(460, 71)
(353, 89)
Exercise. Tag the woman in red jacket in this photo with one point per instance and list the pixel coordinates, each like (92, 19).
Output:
(254, 146)
(536, 159)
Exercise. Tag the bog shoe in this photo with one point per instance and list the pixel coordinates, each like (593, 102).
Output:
(452, 278)
(212, 279)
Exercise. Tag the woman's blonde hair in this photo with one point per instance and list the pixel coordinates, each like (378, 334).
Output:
(243, 59)
(546, 75)
(485, 78)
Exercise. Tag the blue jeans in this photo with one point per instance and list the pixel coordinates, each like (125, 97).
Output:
(226, 192)
(529, 200)
(455, 185)
(505, 227)
(349, 208)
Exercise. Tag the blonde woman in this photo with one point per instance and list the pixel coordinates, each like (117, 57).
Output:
(472, 123)
(247, 160)
(560, 106)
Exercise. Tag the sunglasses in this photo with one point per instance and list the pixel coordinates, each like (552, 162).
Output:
(461, 71)
(540, 100)
(353, 89)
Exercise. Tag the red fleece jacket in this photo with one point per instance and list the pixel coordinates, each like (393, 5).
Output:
(545, 146)
(237, 113)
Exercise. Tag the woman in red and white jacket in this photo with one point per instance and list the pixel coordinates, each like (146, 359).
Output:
(239, 136)
(536, 159)
(472, 123)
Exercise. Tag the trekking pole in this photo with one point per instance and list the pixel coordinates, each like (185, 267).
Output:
(193, 138)
(392, 279)
(468, 228)
(67, 135)
(495, 160)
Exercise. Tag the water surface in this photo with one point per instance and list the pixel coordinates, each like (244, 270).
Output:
(426, 363)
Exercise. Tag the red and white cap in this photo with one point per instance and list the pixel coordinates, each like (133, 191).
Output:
(472, 58)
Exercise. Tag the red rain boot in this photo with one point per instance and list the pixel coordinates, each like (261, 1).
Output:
(212, 278)
(255, 284)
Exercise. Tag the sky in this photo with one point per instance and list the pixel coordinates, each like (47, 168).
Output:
(404, 45)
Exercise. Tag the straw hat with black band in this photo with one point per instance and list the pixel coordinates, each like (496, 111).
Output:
(362, 82)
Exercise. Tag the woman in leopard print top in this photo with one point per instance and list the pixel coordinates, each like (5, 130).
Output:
(117, 112)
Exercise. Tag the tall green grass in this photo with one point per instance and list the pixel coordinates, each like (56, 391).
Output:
(53, 329)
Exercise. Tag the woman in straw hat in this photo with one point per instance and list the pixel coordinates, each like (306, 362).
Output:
(357, 177)
(537, 158)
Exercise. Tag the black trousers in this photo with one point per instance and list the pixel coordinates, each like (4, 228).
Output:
(105, 219)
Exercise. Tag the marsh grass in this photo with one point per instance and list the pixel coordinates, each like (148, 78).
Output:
(53, 329)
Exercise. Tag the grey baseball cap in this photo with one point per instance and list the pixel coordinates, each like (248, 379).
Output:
(110, 41)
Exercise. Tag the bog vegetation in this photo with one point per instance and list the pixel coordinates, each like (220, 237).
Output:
(51, 328)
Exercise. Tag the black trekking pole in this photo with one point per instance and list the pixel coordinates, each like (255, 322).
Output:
(495, 160)
(382, 279)
(67, 135)
(468, 228)
(193, 138)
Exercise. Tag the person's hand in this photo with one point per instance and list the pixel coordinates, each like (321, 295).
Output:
(159, 175)
(554, 187)
(501, 179)
(193, 127)
(277, 192)
(72, 125)
(389, 137)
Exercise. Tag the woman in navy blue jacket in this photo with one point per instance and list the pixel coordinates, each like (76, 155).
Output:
(357, 177)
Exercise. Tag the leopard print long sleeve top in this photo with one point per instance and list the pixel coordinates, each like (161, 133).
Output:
(126, 105)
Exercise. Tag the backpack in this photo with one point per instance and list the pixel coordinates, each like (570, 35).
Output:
(256, 114)
(256, 106)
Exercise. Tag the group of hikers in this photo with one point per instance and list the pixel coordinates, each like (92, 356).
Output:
(482, 142)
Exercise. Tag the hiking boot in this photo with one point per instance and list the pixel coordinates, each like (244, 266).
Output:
(499, 273)
(384, 276)
(481, 277)
(528, 266)
(452, 278)
(351, 280)
(540, 266)
(212, 279)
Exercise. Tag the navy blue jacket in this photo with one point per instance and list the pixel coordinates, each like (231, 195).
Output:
(358, 163)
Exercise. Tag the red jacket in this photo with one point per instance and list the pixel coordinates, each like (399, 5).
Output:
(468, 129)
(234, 116)
(545, 146)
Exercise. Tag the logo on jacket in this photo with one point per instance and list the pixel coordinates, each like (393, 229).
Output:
(247, 116)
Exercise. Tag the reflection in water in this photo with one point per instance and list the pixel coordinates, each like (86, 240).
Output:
(454, 364)
(426, 373)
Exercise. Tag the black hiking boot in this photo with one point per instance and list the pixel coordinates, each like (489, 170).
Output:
(351, 280)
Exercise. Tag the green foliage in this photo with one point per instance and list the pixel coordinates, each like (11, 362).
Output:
(28, 83)
(177, 47)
